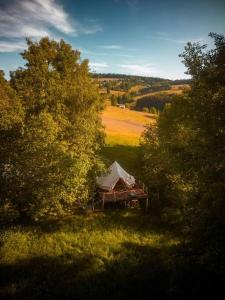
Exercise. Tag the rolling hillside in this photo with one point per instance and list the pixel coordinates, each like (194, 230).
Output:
(124, 126)
(175, 90)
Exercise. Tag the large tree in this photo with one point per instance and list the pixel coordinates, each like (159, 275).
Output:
(190, 149)
(11, 124)
(57, 154)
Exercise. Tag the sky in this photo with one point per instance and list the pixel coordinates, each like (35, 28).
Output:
(137, 37)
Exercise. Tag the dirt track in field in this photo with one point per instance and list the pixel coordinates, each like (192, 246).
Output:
(125, 122)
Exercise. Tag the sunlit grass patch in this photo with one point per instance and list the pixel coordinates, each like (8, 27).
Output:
(114, 138)
(97, 235)
(77, 256)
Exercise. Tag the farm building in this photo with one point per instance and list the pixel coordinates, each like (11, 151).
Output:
(117, 186)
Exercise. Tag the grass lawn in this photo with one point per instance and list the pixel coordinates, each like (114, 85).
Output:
(124, 128)
(111, 255)
(126, 155)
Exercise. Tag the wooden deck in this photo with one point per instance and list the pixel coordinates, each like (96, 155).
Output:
(115, 196)
(125, 196)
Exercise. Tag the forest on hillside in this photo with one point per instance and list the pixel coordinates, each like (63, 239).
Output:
(138, 92)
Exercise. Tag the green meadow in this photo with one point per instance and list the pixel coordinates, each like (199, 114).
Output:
(105, 255)
(110, 255)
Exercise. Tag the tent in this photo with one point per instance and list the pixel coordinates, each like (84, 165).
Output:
(114, 174)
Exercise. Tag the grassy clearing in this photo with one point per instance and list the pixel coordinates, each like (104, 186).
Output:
(124, 126)
(126, 155)
(128, 115)
(100, 256)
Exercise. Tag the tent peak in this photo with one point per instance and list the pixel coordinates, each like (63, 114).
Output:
(116, 172)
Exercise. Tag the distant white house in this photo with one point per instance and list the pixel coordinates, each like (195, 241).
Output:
(121, 105)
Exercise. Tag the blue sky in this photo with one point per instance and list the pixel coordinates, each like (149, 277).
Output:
(140, 37)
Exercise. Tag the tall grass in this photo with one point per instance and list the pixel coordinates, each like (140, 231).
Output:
(81, 257)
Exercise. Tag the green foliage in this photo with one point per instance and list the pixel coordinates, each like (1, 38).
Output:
(153, 110)
(126, 155)
(186, 153)
(11, 125)
(158, 101)
(156, 87)
(125, 98)
(11, 112)
(145, 109)
(114, 100)
(155, 172)
(56, 160)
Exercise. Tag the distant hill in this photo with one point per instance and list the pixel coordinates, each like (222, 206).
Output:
(138, 78)
(140, 92)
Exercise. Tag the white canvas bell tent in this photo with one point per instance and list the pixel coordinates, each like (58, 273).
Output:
(114, 174)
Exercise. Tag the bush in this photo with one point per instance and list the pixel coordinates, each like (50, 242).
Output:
(145, 109)
(153, 110)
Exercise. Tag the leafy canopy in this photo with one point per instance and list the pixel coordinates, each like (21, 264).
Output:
(56, 159)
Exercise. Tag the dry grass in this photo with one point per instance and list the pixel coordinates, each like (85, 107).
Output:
(124, 126)
(117, 93)
(137, 87)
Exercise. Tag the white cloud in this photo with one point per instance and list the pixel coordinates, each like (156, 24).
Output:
(114, 47)
(11, 46)
(33, 18)
(38, 18)
(138, 69)
(90, 26)
(98, 67)
(181, 41)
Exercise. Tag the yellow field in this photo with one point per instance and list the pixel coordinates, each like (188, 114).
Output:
(176, 89)
(124, 126)
(136, 88)
(117, 93)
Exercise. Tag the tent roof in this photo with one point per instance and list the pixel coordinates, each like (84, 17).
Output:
(115, 172)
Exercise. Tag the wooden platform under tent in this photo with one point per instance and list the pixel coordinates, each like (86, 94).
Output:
(120, 188)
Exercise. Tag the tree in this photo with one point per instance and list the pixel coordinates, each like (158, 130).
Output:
(191, 147)
(145, 109)
(57, 158)
(153, 110)
(114, 100)
(184, 162)
(11, 126)
(206, 116)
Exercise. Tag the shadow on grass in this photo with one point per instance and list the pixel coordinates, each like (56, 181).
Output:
(137, 272)
(137, 221)
(126, 155)
(133, 220)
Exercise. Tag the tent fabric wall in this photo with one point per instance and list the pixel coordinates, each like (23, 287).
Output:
(115, 172)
